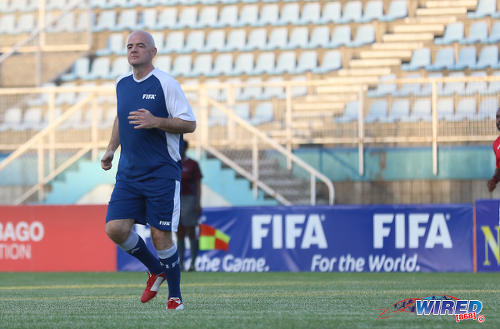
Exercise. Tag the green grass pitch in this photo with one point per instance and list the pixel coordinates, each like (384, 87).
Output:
(239, 300)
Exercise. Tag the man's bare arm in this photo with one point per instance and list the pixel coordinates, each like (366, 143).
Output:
(114, 142)
(143, 119)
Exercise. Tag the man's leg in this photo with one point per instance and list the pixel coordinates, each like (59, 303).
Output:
(169, 258)
(193, 241)
(181, 245)
(120, 231)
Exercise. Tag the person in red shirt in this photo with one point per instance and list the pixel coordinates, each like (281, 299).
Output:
(190, 207)
(492, 183)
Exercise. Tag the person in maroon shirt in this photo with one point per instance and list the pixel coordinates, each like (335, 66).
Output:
(190, 207)
(492, 183)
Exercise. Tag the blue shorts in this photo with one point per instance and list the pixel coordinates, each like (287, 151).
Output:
(155, 202)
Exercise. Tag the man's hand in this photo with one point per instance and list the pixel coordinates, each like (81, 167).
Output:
(143, 119)
(107, 159)
(492, 184)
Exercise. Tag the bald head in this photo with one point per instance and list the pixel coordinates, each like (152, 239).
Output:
(140, 52)
(143, 35)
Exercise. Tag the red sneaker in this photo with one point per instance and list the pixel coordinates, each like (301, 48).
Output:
(175, 303)
(152, 286)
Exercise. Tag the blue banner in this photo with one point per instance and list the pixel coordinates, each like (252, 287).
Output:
(406, 238)
(488, 235)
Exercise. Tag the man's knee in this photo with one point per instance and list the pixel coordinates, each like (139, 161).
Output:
(119, 230)
(161, 239)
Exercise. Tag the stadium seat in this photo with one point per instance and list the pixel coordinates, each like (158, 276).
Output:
(236, 40)
(400, 111)
(269, 15)
(72, 121)
(182, 66)
(364, 36)
(383, 89)
(263, 113)
(195, 41)
(408, 89)
(276, 91)
(213, 91)
(478, 32)
(12, 119)
(378, 111)
(8, 24)
(215, 40)
(208, 17)
(495, 33)
(466, 109)
(257, 39)
(228, 16)
(32, 119)
(341, 36)
(374, 10)
(484, 8)
(488, 58)
(494, 86)
(167, 18)
(454, 33)
(476, 87)
(332, 61)
(106, 21)
(66, 23)
(445, 59)
(163, 63)
(422, 110)
(331, 13)
(264, 63)
(466, 59)
(84, 22)
(278, 39)
(286, 63)
(243, 64)
(252, 89)
(298, 89)
(453, 87)
(427, 87)
(223, 65)
(308, 61)
(99, 69)
(289, 14)
(488, 108)
(352, 12)
(187, 18)
(103, 4)
(23, 5)
(126, 20)
(174, 42)
(249, 15)
(79, 70)
(202, 65)
(235, 88)
(320, 37)
(445, 109)
(114, 45)
(159, 41)
(350, 113)
(108, 119)
(65, 98)
(46, 117)
(299, 38)
(216, 117)
(242, 110)
(25, 23)
(87, 118)
(120, 66)
(310, 14)
(398, 9)
(148, 19)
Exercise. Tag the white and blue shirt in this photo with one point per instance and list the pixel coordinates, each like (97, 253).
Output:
(150, 153)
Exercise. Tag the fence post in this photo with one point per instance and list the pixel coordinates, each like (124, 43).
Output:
(361, 132)
(434, 128)
(288, 125)
(41, 170)
(255, 166)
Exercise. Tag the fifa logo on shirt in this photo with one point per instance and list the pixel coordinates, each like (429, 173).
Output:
(148, 96)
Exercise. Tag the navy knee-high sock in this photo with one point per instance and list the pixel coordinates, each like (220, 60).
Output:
(135, 246)
(169, 258)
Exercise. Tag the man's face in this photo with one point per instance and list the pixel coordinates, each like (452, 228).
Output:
(140, 51)
(498, 119)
